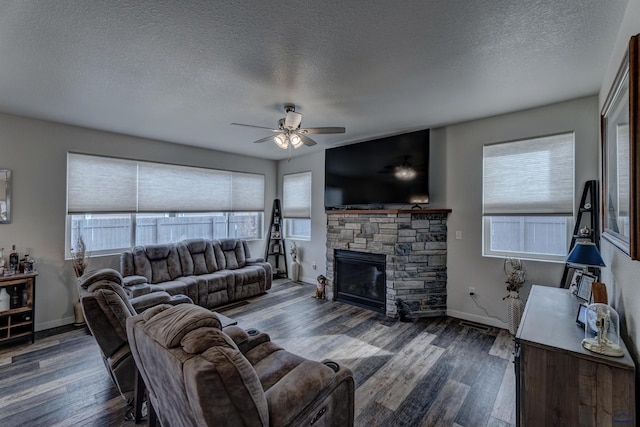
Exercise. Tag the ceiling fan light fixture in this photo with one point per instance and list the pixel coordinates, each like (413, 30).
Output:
(289, 134)
(404, 173)
(296, 141)
(281, 141)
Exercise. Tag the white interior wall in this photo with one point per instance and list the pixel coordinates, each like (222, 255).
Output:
(466, 265)
(456, 183)
(312, 251)
(36, 152)
(621, 276)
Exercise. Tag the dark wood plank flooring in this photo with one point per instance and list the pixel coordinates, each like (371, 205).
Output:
(431, 372)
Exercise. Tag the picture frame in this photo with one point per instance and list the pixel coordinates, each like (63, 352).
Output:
(584, 287)
(581, 317)
(621, 156)
(5, 196)
(574, 278)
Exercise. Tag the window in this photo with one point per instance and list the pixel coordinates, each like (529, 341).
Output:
(296, 208)
(528, 197)
(115, 204)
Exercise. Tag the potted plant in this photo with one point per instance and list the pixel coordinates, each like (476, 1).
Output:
(80, 259)
(295, 265)
(515, 278)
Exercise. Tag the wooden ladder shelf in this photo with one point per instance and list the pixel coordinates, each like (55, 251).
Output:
(275, 249)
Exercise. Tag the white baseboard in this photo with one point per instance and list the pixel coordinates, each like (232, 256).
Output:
(478, 319)
(54, 323)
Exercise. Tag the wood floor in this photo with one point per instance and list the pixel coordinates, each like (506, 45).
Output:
(432, 372)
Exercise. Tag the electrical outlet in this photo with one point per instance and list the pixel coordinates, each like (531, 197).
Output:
(472, 290)
(314, 266)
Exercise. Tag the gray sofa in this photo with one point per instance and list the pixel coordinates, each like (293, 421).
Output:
(210, 272)
(106, 308)
(198, 374)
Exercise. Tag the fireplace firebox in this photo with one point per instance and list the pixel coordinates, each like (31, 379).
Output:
(361, 279)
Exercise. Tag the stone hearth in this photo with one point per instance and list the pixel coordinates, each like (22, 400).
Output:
(415, 245)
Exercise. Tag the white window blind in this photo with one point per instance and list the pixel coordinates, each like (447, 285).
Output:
(529, 177)
(101, 185)
(296, 195)
(171, 188)
(247, 190)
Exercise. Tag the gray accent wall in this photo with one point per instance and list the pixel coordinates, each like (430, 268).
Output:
(456, 183)
(36, 152)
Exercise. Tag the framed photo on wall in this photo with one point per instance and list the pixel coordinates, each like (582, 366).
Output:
(621, 156)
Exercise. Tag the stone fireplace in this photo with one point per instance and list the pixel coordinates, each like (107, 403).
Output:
(413, 247)
(361, 278)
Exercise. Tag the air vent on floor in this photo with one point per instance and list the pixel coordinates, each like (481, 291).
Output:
(476, 326)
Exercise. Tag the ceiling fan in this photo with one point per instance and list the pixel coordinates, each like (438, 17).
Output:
(289, 133)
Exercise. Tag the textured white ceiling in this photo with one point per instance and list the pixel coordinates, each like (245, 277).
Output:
(182, 71)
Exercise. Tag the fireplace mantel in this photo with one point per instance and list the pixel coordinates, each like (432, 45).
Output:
(384, 211)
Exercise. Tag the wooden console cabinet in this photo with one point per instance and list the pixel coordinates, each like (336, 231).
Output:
(558, 382)
(19, 321)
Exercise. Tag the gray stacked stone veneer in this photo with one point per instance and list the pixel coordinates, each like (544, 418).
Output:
(415, 245)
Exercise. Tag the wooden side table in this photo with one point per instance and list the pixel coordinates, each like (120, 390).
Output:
(19, 320)
(560, 383)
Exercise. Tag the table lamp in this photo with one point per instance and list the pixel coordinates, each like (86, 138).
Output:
(586, 254)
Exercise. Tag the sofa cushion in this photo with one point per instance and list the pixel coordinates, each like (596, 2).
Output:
(223, 385)
(169, 326)
(197, 257)
(233, 250)
(182, 285)
(100, 276)
(106, 310)
(197, 341)
(158, 263)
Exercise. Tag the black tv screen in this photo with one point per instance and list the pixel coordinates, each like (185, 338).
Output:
(391, 170)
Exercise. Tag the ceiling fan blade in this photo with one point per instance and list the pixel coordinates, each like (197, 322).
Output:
(323, 130)
(265, 139)
(292, 120)
(254, 126)
(307, 141)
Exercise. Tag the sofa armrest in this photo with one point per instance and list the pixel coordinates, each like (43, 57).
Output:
(133, 280)
(246, 340)
(143, 302)
(254, 260)
(138, 290)
(310, 391)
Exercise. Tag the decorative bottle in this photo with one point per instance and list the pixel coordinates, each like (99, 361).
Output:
(25, 297)
(5, 302)
(13, 259)
(14, 302)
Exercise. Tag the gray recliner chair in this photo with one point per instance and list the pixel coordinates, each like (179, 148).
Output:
(106, 309)
(199, 374)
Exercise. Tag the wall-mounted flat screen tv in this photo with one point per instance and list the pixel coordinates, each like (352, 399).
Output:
(391, 170)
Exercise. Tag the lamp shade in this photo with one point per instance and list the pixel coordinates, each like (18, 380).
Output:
(295, 140)
(281, 141)
(585, 253)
